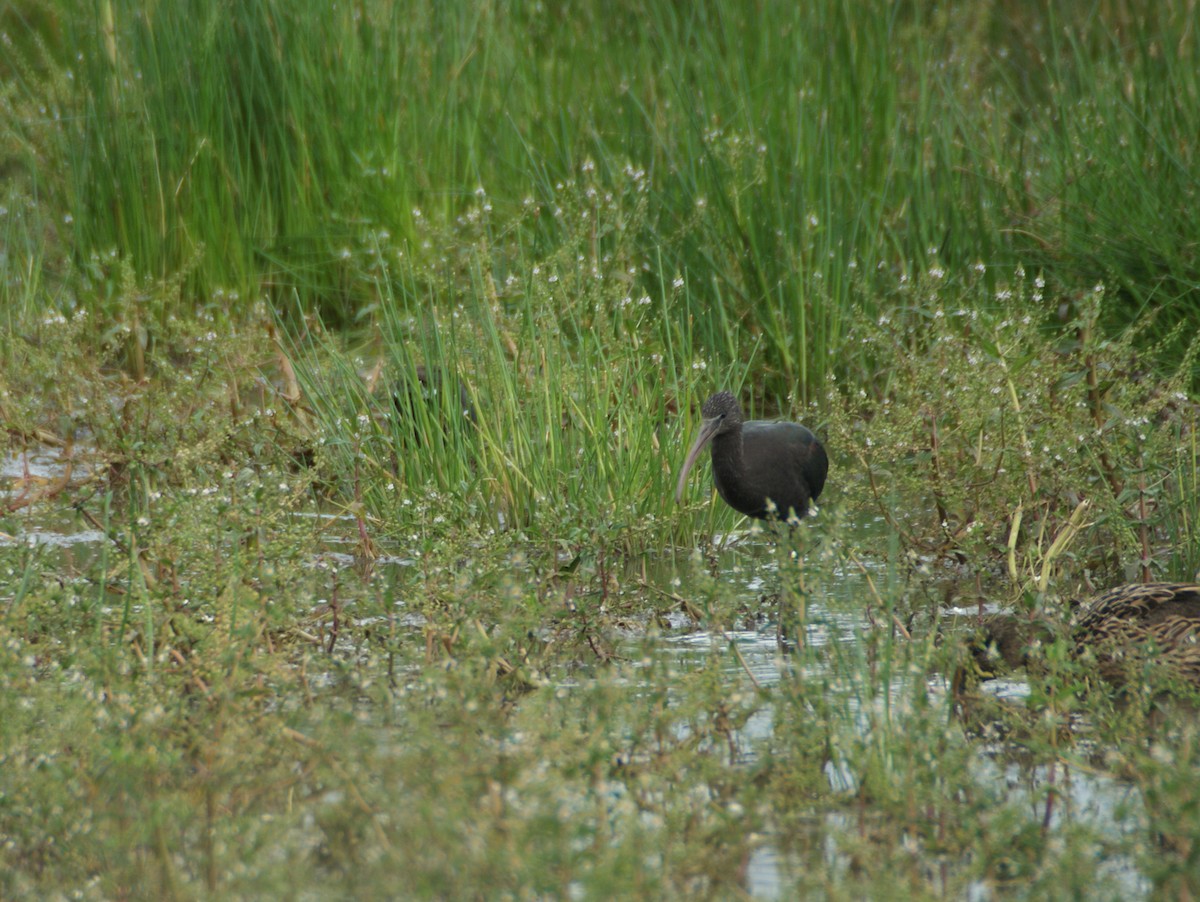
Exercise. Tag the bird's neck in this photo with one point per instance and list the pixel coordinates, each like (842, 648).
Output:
(727, 449)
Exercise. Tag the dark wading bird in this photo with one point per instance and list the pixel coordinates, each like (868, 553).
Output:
(770, 471)
(1121, 630)
(424, 401)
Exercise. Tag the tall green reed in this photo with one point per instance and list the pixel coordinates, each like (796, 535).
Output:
(792, 173)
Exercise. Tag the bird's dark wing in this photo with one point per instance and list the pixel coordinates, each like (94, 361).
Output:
(783, 462)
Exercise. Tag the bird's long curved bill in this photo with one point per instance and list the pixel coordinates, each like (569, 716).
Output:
(707, 430)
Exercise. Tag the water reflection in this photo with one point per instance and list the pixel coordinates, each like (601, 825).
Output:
(30, 481)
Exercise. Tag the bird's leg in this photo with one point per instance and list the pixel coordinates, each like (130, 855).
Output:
(781, 639)
(778, 598)
(792, 613)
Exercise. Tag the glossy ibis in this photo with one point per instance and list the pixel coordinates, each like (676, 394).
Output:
(1118, 632)
(770, 471)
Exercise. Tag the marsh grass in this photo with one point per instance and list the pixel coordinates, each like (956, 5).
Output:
(323, 642)
(1055, 430)
(328, 630)
(235, 711)
(788, 174)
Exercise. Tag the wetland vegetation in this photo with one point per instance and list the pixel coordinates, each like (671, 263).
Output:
(350, 353)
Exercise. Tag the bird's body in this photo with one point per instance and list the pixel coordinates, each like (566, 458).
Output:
(1119, 631)
(1125, 626)
(423, 404)
(770, 471)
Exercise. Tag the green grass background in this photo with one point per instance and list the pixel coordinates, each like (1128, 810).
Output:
(792, 161)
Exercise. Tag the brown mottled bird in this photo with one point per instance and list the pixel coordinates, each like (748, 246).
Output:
(770, 471)
(1121, 630)
(1124, 625)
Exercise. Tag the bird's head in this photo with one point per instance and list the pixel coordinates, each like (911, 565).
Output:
(999, 644)
(721, 413)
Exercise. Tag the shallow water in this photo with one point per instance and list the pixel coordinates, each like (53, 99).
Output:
(838, 617)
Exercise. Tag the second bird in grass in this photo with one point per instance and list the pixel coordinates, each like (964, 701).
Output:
(1117, 633)
(766, 470)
